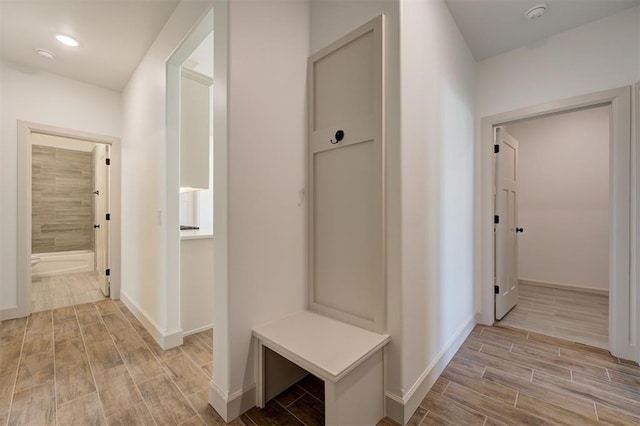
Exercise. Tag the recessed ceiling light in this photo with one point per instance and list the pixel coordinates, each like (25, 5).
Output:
(66, 40)
(44, 53)
(536, 12)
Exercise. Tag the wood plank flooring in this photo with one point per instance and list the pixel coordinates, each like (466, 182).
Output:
(505, 376)
(567, 314)
(58, 291)
(94, 363)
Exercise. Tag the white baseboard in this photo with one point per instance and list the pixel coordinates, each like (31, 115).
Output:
(197, 330)
(11, 313)
(232, 406)
(167, 339)
(401, 409)
(564, 286)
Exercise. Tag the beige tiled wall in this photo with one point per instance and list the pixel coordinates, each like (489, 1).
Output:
(61, 200)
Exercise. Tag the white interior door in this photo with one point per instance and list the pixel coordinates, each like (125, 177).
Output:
(101, 224)
(506, 211)
(346, 178)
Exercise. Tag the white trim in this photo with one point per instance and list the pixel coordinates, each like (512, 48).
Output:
(621, 305)
(11, 312)
(167, 339)
(635, 229)
(561, 286)
(200, 30)
(197, 330)
(232, 406)
(23, 258)
(401, 409)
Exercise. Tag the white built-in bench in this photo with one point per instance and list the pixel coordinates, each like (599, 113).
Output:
(348, 359)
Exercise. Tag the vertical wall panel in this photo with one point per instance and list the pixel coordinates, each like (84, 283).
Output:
(62, 200)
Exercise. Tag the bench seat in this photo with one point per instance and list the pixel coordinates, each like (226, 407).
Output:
(347, 358)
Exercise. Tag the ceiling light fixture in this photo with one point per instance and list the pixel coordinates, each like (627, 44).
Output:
(44, 53)
(536, 12)
(66, 40)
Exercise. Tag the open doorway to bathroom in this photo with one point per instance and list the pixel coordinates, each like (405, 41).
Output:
(68, 245)
(69, 221)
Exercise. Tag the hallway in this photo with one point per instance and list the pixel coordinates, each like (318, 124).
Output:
(95, 364)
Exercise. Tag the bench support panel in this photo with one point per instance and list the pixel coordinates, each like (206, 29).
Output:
(355, 399)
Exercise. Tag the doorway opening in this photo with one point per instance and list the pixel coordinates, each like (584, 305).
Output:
(68, 217)
(622, 327)
(552, 225)
(69, 221)
(190, 195)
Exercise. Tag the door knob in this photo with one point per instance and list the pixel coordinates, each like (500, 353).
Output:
(96, 226)
(519, 229)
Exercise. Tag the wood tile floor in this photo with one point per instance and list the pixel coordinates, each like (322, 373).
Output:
(572, 315)
(503, 376)
(58, 291)
(95, 364)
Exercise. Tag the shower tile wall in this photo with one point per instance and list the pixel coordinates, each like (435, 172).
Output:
(62, 186)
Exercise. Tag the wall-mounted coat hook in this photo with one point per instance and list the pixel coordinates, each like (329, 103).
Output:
(338, 137)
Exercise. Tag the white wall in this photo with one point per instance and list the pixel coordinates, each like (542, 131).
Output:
(601, 55)
(40, 97)
(564, 198)
(196, 284)
(146, 207)
(438, 96)
(268, 45)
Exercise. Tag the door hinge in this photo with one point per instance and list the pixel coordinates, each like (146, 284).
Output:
(496, 289)
(496, 219)
(108, 216)
(108, 161)
(107, 272)
(496, 149)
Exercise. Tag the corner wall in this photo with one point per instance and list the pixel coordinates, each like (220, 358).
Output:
(147, 211)
(438, 100)
(40, 97)
(268, 46)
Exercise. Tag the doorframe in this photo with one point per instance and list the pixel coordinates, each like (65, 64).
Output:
(622, 306)
(23, 258)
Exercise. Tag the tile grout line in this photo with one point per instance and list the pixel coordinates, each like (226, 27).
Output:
(286, 410)
(15, 381)
(312, 395)
(292, 402)
(183, 394)
(136, 385)
(164, 369)
(86, 353)
(55, 375)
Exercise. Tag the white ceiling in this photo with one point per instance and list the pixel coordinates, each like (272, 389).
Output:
(114, 35)
(491, 27)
